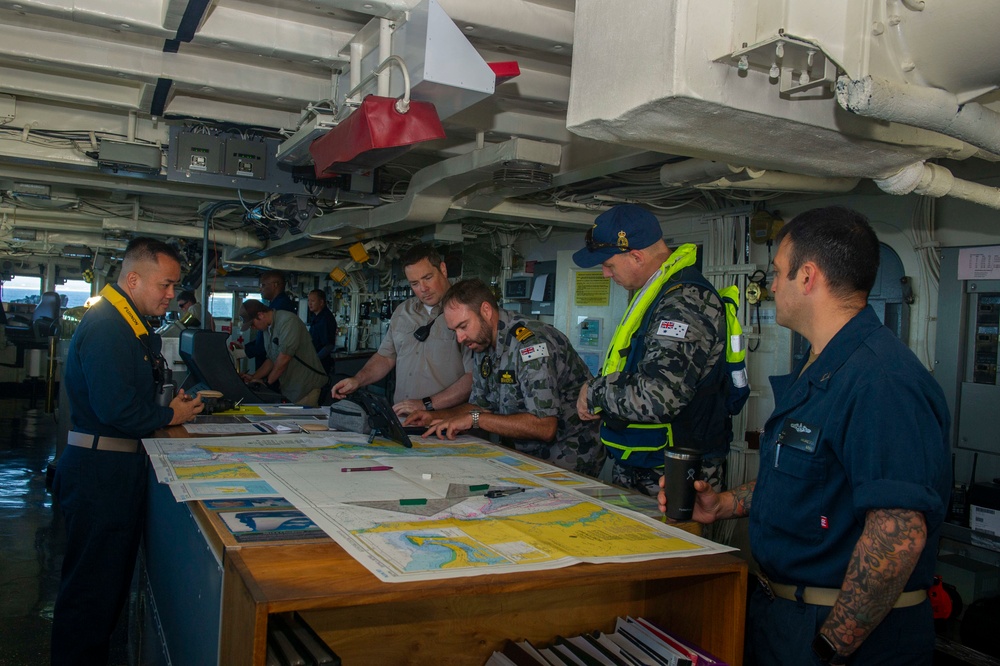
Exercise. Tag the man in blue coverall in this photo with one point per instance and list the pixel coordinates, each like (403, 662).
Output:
(855, 475)
(322, 328)
(114, 373)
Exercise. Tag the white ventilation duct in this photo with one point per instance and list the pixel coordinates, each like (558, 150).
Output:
(751, 81)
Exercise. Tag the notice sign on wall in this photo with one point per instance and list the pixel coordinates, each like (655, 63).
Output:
(592, 289)
(979, 263)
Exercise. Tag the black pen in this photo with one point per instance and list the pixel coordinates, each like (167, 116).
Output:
(503, 492)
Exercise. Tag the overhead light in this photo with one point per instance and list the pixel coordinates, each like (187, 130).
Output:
(32, 190)
(326, 237)
(77, 252)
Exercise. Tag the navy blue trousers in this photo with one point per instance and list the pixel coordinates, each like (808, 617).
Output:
(102, 495)
(780, 633)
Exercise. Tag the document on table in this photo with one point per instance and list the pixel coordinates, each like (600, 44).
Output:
(226, 429)
(410, 518)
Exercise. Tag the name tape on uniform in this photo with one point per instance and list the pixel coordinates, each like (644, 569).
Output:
(541, 350)
(673, 329)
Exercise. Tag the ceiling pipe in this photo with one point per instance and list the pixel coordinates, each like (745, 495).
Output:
(17, 221)
(238, 239)
(292, 264)
(54, 216)
(691, 170)
(923, 107)
(59, 221)
(933, 180)
(45, 238)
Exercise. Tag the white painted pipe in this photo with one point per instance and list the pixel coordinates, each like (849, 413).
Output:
(25, 218)
(693, 170)
(355, 73)
(290, 264)
(69, 238)
(780, 181)
(384, 51)
(919, 106)
(238, 239)
(28, 217)
(936, 181)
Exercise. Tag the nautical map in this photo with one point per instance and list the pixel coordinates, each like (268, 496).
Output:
(431, 518)
(444, 508)
(199, 468)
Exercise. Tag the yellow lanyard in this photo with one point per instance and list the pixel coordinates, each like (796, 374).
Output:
(126, 311)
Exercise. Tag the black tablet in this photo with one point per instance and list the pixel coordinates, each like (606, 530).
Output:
(381, 417)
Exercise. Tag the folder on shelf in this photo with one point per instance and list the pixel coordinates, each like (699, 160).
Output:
(649, 644)
(581, 655)
(592, 647)
(523, 653)
(698, 655)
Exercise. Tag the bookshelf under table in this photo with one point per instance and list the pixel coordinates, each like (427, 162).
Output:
(453, 621)
(463, 620)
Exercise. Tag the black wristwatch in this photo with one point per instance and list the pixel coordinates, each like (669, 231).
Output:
(428, 405)
(825, 650)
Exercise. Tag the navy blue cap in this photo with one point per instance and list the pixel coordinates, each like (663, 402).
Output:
(617, 230)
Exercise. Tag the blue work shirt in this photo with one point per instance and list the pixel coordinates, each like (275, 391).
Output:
(865, 427)
(323, 331)
(109, 376)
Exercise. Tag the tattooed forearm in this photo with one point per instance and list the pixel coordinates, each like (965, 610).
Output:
(883, 560)
(742, 497)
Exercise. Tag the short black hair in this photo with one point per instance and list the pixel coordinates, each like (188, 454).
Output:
(144, 248)
(840, 241)
(418, 253)
(186, 296)
(470, 293)
(278, 275)
(319, 294)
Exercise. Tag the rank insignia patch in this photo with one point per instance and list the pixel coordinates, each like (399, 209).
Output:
(522, 333)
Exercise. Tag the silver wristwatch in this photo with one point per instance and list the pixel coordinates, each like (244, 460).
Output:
(475, 418)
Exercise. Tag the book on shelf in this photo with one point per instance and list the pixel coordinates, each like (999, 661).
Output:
(662, 653)
(698, 655)
(498, 659)
(523, 653)
(593, 647)
(634, 642)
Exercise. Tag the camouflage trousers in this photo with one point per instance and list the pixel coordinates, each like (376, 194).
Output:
(646, 480)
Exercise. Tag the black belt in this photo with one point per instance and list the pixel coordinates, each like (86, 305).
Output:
(102, 443)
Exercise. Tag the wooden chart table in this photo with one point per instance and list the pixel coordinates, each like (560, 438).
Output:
(462, 620)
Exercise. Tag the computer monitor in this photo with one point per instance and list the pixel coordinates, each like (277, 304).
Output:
(210, 367)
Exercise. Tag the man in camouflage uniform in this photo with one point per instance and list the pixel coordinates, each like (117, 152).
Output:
(524, 386)
(663, 382)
